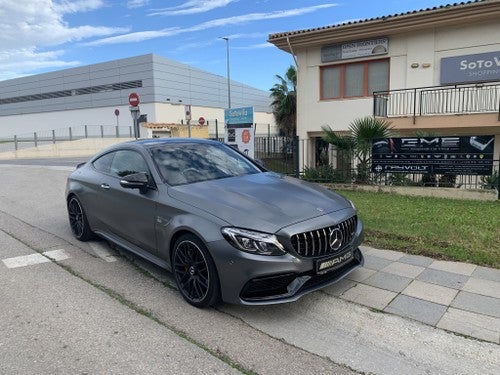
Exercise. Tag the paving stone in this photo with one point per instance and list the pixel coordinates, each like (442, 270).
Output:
(369, 296)
(359, 274)
(376, 263)
(477, 303)
(388, 281)
(491, 274)
(417, 309)
(416, 260)
(403, 269)
(443, 278)
(471, 324)
(483, 287)
(454, 267)
(430, 292)
(339, 287)
(386, 254)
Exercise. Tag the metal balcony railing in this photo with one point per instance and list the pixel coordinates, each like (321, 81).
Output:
(438, 100)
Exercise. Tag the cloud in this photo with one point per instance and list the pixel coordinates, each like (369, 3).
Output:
(256, 46)
(15, 62)
(133, 4)
(191, 7)
(75, 6)
(219, 22)
(27, 30)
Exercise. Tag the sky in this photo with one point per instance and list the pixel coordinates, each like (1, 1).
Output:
(38, 36)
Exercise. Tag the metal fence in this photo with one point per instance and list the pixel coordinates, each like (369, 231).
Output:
(35, 139)
(279, 154)
(460, 99)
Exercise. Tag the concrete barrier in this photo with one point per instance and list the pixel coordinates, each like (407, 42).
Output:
(78, 148)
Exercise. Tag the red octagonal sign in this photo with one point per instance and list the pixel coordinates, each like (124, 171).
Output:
(133, 99)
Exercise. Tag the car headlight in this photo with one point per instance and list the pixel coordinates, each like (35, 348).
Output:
(253, 242)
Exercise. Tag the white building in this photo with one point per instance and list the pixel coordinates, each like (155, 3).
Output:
(435, 70)
(92, 95)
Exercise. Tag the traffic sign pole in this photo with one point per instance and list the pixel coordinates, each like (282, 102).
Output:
(134, 100)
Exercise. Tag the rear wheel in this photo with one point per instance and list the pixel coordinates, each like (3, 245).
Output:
(78, 220)
(195, 272)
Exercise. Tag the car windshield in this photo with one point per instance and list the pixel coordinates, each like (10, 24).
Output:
(189, 162)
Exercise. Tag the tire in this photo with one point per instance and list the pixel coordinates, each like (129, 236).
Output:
(195, 272)
(78, 220)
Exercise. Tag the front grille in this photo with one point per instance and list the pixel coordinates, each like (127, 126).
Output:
(316, 243)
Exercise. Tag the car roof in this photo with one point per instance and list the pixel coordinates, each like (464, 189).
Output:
(150, 143)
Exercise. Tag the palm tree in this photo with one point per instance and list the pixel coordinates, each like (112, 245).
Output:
(284, 104)
(358, 143)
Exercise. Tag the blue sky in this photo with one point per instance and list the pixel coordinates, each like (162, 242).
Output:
(39, 36)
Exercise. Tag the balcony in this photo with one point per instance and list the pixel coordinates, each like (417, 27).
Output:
(423, 102)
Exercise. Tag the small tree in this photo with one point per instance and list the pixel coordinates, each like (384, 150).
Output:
(284, 104)
(359, 142)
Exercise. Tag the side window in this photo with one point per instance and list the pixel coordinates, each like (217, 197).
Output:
(103, 164)
(127, 162)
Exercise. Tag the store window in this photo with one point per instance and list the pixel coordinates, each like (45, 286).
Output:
(354, 79)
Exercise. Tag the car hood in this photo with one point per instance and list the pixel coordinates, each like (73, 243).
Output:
(264, 201)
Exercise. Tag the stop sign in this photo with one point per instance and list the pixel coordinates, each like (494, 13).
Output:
(133, 99)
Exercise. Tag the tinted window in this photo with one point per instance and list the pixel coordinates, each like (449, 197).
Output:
(183, 163)
(127, 162)
(103, 164)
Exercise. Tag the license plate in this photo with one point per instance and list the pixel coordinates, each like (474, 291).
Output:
(330, 264)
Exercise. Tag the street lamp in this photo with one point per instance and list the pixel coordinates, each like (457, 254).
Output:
(228, 74)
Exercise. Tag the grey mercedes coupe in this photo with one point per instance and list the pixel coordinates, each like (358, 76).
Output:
(225, 227)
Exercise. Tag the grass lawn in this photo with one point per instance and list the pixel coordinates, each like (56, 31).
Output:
(448, 229)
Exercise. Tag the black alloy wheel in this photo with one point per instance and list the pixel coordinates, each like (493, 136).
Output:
(194, 272)
(78, 220)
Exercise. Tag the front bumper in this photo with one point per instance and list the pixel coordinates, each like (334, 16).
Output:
(249, 279)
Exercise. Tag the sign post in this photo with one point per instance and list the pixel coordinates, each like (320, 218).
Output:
(133, 100)
(240, 130)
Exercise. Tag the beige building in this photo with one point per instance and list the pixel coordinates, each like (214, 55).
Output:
(434, 70)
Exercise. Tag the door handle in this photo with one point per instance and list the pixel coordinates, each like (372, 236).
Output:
(105, 186)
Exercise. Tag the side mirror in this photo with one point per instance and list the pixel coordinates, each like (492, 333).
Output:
(135, 181)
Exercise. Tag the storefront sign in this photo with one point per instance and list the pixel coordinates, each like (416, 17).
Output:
(471, 155)
(482, 67)
(352, 50)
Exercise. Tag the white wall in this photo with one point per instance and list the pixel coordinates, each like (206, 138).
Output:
(157, 112)
(425, 48)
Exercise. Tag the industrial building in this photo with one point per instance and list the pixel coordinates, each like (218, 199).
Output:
(97, 95)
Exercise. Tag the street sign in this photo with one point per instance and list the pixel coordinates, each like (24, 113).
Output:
(117, 112)
(201, 121)
(133, 99)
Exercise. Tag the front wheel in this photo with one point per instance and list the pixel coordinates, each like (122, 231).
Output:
(78, 220)
(195, 272)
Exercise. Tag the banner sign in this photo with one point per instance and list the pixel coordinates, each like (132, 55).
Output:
(239, 132)
(351, 50)
(470, 155)
(481, 67)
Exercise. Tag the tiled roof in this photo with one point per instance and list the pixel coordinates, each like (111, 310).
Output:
(382, 18)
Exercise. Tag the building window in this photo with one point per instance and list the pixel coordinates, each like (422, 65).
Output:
(354, 79)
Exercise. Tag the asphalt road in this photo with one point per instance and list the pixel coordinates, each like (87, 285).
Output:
(72, 307)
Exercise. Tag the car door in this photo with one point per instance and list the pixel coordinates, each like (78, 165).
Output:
(128, 213)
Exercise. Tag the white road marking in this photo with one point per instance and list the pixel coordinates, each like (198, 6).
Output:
(28, 260)
(56, 255)
(102, 251)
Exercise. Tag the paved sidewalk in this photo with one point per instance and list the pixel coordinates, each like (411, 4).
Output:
(458, 297)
